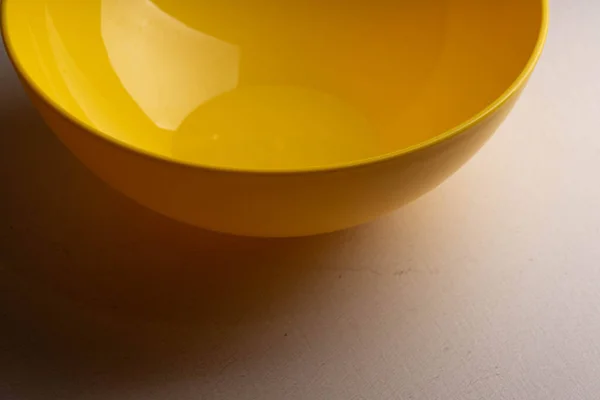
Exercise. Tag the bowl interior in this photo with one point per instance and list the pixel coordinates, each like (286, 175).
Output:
(270, 84)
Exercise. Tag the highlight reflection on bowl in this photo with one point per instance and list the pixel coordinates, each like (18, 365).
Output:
(263, 117)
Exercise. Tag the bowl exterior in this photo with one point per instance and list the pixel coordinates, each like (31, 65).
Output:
(277, 204)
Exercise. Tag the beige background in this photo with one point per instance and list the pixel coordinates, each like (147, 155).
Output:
(488, 288)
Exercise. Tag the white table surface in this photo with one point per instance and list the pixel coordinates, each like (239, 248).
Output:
(488, 288)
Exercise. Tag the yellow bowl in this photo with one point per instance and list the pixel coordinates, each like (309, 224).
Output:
(269, 117)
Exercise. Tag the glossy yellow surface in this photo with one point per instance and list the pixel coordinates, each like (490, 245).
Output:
(268, 117)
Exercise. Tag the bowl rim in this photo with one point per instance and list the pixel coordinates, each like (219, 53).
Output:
(518, 84)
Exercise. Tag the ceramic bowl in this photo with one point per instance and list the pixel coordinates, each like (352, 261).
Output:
(274, 118)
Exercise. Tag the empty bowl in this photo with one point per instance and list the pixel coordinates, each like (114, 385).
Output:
(269, 117)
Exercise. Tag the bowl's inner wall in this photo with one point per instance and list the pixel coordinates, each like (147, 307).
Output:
(272, 84)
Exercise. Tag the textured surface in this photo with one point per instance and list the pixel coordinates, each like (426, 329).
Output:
(477, 291)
